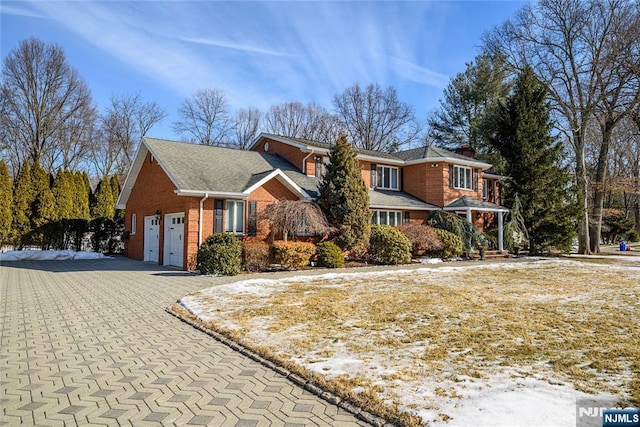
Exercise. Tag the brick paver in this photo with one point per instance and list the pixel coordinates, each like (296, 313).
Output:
(89, 342)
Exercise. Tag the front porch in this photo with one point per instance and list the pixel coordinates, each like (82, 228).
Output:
(474, 208)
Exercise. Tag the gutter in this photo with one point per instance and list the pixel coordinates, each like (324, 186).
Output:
(206, 196)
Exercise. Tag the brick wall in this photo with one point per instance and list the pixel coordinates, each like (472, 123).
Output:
(153, 191)
(292, 154)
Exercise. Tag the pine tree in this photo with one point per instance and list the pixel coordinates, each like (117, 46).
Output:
(23, 198)
(522, 133)
(104, 206)
(344, 197)
(6, 204)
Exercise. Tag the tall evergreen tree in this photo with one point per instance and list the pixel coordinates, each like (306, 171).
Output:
(104, 206)
(43, 208)
(522, 133)
(23, 198)
(115, 190)
(344, 197)
(467, 100)
(6, 204)
(64, 196)
(82, 194)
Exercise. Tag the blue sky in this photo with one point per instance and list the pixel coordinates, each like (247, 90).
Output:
(258, 53)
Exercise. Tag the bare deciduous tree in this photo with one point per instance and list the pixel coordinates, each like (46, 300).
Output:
(291, 218)
(204, 118)
(123, 125)
(246, 127)
(375, 119)
(293, 119)
(565, 43)
(45, 101)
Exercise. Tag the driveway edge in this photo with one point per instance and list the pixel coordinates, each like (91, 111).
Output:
(298, 380)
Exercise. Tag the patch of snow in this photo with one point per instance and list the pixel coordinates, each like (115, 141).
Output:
(38, 255)
(505, 401)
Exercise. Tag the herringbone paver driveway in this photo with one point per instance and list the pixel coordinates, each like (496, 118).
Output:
(89, 342)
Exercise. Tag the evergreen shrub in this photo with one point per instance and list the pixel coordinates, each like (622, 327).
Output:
(452, 244)
(293, 254)
(220, 254)
(388, 245)
(424, 239)
(330, 255)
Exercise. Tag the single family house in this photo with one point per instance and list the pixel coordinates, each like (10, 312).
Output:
(176, 194)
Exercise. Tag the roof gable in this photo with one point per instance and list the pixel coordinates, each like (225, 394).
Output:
(201, 169)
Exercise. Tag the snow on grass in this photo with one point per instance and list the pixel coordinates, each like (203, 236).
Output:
(38, 255)
(495, 344)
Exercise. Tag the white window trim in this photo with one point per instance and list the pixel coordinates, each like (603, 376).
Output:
(456, 177)
(375, 217)
(233, 216)
(134, 226)
(380, 182)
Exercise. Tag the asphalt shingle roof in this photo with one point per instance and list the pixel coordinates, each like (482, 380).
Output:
(397, 199)
(219, 169)
(469, 202)
(430, 152)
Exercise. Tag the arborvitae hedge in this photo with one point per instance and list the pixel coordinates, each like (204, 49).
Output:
(6, 204)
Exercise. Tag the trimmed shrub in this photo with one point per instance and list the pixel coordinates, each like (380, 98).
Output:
(388, 245)
(452, 244)
(220, 254)
(424, 239)
(330, 255)
(293, 254)
(256, 255)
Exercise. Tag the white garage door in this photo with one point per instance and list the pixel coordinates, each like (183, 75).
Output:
(151, 238)
(174, 239)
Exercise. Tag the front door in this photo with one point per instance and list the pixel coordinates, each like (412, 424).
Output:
(174, 241)
(151, 238)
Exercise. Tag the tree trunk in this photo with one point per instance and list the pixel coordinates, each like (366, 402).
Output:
(599, 193)
(583, 220)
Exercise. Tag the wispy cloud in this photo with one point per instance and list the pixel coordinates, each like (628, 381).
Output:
(7, 9)
(234, 46)
(417, 73)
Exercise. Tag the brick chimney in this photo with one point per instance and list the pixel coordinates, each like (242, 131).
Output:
(466, 150)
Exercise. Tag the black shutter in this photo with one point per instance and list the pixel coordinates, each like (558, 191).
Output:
(218, 213)
(253, 214)
(374, 173)
(474, 173)
(450, 176)
(407, 217)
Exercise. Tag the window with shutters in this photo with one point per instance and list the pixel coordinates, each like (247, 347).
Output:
(234, 216)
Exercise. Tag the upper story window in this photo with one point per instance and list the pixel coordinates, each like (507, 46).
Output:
(235, 216)
(320, 166)
(387, 178)
(488, 190)
(462, 178)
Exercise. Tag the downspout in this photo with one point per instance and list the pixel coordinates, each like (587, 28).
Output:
(206, 196)
(304, 162)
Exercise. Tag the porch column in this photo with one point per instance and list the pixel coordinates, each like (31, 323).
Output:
(469, 219)
(500, 233)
